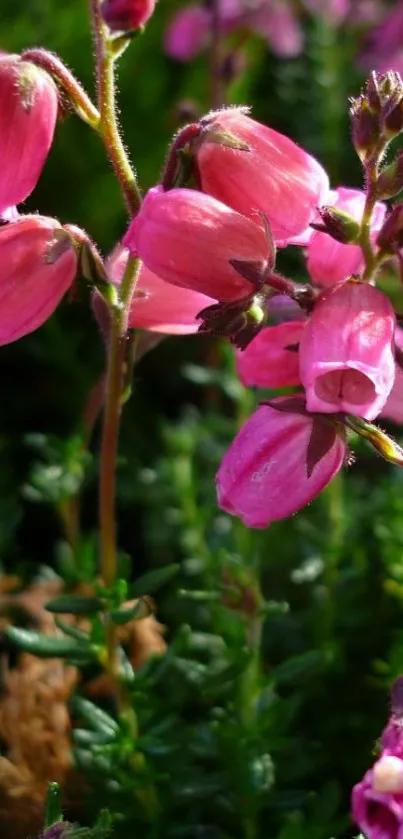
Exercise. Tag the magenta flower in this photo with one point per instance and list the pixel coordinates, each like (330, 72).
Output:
(378, 814)
(28, 112)
(159, 306)
(271, 359)
(122, 15)
(347, 351)
(279, 461)
(190, 29)
(275, 177)
(330, 261)
(393, 408)
(276, 22)
(188, 239)
(384, 43)
(188, 33)
(38, 263)
(332, 11)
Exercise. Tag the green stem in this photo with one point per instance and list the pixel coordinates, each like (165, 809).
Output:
(109, 129)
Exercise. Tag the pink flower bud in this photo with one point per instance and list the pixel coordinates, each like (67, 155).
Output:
(329, 261)
(346, 351)
(278, 462)
(187, 33)
(38, 263)
(123, 15)
(271, 359)
(28, 112)
(188, 239)
(275, 177)
(159, 306)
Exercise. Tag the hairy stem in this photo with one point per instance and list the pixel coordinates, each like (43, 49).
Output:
(78, 97)
(109, 129)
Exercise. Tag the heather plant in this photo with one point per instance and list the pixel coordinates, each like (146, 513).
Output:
(230, 679)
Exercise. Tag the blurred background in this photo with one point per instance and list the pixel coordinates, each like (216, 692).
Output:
(331, 578)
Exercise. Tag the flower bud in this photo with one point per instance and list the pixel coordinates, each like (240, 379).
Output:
(390, 180)
(366, 128)
(38, 263)
(189, 239)
(124, 15)
(275, 178)
(390, 236)
(271, 359)
(278, 462)
(328, 260)
(378, 439)
(28, 112)
(346, 351)
(158, 306)
(338, 224)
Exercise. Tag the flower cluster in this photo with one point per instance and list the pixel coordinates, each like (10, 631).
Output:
(233, 193)
(38, 256)
(256, 191)
(377, 801)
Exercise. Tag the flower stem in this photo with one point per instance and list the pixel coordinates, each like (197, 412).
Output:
(109, 129)
(77, 95)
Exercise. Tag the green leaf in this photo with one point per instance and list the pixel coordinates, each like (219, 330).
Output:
(140, 610)
(298, 667)
(95, 717)
(71, 630)
(151, 582)
(49, 646)
(74, 605)
(53, 811)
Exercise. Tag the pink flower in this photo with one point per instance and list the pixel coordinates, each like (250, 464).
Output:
(378, 814)
(271, 359)
(187, 33)
(275, 177)
(278, 25)
(346, 351)
(278, 462)
(188, 239)
(38, 264)
(332, 11)
(377, 801)
(385, 40)
(28, 112)
(123, 15)
(330, 261)
(393, 408)
(159, 306)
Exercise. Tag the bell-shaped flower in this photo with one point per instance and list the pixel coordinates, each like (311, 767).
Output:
(188, 32)
(38, 263)
(158, 306)
(271, 359)
(123, 15)
(330, 261)
(278, 462)
(28, 113)
(393, 408)
(346, 351)
(270, 176)
(189, 239)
